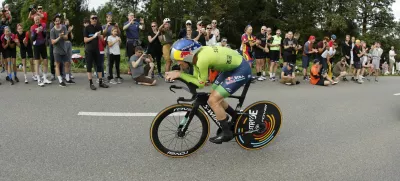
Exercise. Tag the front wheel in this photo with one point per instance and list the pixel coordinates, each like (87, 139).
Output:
(263, 113)
(167, 131)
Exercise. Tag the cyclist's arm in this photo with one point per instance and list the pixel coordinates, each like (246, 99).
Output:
(199, 77)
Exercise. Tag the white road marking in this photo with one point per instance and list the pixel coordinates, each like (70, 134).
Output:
(398, 94)
(120, 114)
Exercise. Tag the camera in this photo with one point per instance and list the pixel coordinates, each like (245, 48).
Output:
(31, 7)
(112, 24)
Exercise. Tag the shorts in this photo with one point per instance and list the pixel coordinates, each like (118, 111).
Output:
(68, 46)
(26, 51)
(60, 58)
(305, 61)
(143, 79)
(39, 51)
(287, 56)
(375, 62)
(130, 47)
(267, 55)
(260, 55)
(228, 83)
(321, 82)
(357, 65)
(93, 57)
(274, 55)
(348, 60)
(10, 53)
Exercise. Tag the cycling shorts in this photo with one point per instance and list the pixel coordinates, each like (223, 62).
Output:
(228, 83)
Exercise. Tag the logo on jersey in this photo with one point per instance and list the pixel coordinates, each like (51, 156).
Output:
(228, 59)
(233, 79)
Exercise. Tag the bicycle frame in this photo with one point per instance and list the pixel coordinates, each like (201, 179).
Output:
(200, 100)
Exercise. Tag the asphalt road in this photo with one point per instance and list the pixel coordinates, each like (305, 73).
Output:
(344, 132)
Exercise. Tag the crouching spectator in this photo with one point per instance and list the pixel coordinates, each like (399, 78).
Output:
(339, 71)
(319, 77)
(288, 76)
(142, 66)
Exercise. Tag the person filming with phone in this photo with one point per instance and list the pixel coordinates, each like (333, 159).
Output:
(141, 65)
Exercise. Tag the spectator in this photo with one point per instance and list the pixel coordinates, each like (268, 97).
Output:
(385, 68)
(339, 71)
(6, 13)
(318, 76)
(275, 54)
(367, 65)
(189, 33)
(290, 48)
(376, 52)
(322, 47)
(9, 42)
(288, 76)
(392, 60)
(260, 52)
(184, 31)
(58, 36)
(38, 36)
(224, 42)
(25, 49)
(212, 41)
(353, 44)
(140, 70)
(200, 34)
(346, 49)
(248, 42)
(327, 55)
(102, 45)
(165, 38)
(132, 33)
(215, 30)
(308, 52)
(358, 53)
(43, 15)
(114, 42)
(92, 53)
(68, 44)
(154, 47)
(269, 42)
(107, 28)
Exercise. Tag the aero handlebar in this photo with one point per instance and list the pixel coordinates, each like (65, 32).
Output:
(191, 88)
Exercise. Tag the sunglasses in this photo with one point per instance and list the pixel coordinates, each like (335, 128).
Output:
(94, 18)
(139, 52)
(208, 28)
(262, 29)
(214, 22)
(153, 26)
(188, 24)
(40, 8)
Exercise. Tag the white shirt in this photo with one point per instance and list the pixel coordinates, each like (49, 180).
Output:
(115, 50)
(216, 33)
(392, 54)
(331, 52)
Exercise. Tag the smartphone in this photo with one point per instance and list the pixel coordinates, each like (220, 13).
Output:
(112, 24)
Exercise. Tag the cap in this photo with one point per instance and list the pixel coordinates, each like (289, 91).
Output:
(311, 37)
(200, 22)
(333, 37)
(291, 65)
(39, 7)
(188, 22)
(316, 61)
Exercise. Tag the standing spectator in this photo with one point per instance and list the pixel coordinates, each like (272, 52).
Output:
(290, 48)
(224, 42)
(322, 47)
(346, 49)
(183, 33)
(102, 45)
(376, 53)
(189, 33)
(58, 36)
(107, 32)
(165, 38)
(25, 49)
(318, 76)
(114, 42)
(43, 15)
(38, 36)
(68, 44)
(327, 55)
(215, 30)
(275, 54)
(139, 69)
(248, 42)
(358, 53)
(132, 28)
(212, 41)
(9, 42)
(92, 53)
(6, 13)
(339, 71)
(353, 44)
(269, 42)
(260, 52)
(154, 47)
(288, 76)
(200, 34)
(308, 52)
(392, 60)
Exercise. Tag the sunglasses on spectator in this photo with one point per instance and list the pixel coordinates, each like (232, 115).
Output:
(153, 25)
(140, 52)
(224, 40)
(188, 24)
(263, 29)
(208, 28)
(214, 22)
(40, 8)
(93, 18)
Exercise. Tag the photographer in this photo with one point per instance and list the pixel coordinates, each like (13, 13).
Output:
(288, 76)
(141, 71)
(107, 28)
(38, 36)
(319, 76)
(132, 33)
(39, 12)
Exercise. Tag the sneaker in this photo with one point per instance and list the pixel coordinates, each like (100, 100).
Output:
(16, 79)
(62, 84)
(334, 82)
(353, 79)
(263, 77)
(120, 78)
(12, 82)
(72, 77)
(97, 81)
(345, 79)
(104, 85)
(41, 84)
(70, 82)
(7, 78)
(112, 81)
(297, 82)
(260, 78)
(160, 76)
(53, 78)
(119, 81)
(271, 79)
(46, 81)
(92, 87)
(288, 83)
(34, 78)
(26, 80)
(376, 80)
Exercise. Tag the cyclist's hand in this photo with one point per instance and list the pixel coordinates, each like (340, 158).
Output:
(172, 75)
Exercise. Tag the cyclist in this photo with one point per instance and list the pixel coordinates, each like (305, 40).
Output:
(234, 72)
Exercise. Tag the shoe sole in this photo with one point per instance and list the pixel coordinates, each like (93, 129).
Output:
(62, 86)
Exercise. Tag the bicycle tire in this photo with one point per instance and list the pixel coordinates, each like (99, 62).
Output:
(272, 116)
(154, 136)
